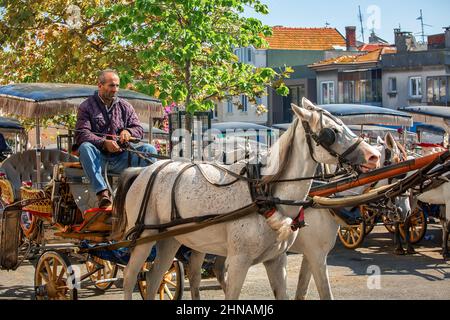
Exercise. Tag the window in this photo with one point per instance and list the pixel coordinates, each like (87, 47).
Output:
(244, 102)
(438, 91)
(392, 85)
(415, 87)
(362, 86)
(297, 93)
(328, 92)
(249, 55)
(229, 106)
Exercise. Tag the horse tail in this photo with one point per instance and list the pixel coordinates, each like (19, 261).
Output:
(119, 216)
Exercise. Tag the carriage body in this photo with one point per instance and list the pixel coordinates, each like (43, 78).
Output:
(49, 208)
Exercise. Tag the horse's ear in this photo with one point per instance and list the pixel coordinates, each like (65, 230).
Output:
(308, 104)
(390, 142)
(301, 113)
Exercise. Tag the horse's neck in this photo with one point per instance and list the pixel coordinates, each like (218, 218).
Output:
(300, 164)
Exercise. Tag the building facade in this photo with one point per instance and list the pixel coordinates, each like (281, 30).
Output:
(414, 77)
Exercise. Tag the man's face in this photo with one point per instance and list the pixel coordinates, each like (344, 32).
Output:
(109, 89)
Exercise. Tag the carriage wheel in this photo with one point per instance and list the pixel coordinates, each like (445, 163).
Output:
(370, 216)
(352, 236)
(418, 226)
(388, 224)
(54, 278)
(109, 271)
(171, 286)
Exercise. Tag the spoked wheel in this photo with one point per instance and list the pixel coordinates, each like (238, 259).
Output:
(370, 216)
(54, 279)
(388, 224)
(172, 285)
(352, 236)
(418, 226)
(109, 271)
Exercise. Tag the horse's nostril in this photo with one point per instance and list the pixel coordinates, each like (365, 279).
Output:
(374, 158)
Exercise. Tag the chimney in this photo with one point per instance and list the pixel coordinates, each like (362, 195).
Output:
(402, 40)
(350, 38)
(447, 37)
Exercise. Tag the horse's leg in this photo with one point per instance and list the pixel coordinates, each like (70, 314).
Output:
(194, 273)
(318, 266)
(445, 232)
(237, 268)
(137, 258)
(166, 250)
(276, 272)
(219, 271)
(398, 240)
(406, 228)
(304, 279)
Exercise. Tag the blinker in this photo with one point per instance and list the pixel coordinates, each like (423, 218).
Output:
(327, 137)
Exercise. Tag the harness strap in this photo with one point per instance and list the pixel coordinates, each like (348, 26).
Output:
(138, 228)
(175, 214)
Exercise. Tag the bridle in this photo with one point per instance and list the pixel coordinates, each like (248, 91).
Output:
(326, 138)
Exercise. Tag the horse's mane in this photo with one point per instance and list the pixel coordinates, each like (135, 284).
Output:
(285, 149)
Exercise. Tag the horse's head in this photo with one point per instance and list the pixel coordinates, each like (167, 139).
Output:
(391, 151)
(330, 141)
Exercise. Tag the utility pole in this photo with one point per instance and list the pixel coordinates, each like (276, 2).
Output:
(421, 23)
(361, 21)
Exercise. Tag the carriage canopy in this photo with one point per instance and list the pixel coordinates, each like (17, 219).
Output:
(35, 100)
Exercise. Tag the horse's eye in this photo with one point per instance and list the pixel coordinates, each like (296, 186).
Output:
(336, 130)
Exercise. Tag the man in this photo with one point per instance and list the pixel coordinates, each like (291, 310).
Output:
(102, 119)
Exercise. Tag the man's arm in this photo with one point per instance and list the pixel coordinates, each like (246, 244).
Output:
(83, 128)
(132, 123)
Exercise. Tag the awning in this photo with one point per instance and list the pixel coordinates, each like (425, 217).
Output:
(364, 115)
(433, 115)
(8, 124)
(33, 100)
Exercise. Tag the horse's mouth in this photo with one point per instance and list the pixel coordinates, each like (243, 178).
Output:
(364, 168)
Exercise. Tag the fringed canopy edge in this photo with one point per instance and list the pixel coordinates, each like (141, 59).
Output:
(32, 109)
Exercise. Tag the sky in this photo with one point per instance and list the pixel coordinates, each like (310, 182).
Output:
(383, 15)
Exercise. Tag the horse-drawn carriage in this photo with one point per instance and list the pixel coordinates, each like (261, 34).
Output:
(49, 209)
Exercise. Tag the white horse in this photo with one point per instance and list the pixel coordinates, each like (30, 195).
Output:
(440, 195)
(315, 246)
(248, 240)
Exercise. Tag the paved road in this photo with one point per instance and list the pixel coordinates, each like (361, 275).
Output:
(422, 276)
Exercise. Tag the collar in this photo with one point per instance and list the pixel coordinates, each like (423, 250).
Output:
(113, 103)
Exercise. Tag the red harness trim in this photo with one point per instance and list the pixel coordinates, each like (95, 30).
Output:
(299, 222)
(270, 213)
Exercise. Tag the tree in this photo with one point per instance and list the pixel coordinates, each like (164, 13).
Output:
(56, 41)
(186, 49)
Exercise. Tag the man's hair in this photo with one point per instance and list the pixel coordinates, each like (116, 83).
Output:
(102, 75)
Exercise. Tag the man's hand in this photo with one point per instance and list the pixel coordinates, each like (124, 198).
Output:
(125, 136)
(111, 146)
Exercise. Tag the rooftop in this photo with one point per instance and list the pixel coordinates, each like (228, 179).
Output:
(370, 57)
(288, 38)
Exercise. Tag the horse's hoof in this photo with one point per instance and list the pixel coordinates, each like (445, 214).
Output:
(445, 255)
(399, 252)
(411, 251)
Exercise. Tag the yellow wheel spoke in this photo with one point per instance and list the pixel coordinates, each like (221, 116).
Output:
(171, 283)
(61, 274)
(166, 289)
(48, 268)
(55, 268)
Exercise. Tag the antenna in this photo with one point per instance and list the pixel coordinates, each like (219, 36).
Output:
(361, 21)
(423, 25)
(327, 24)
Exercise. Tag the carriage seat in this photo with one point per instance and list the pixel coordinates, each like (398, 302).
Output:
(21, 167)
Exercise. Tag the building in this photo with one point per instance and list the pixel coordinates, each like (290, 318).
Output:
(352, 78)
(414, 76)
(294, 47)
